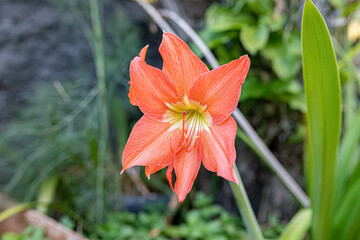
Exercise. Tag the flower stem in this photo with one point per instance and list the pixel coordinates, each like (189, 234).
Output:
(98, 53)
(245, 208)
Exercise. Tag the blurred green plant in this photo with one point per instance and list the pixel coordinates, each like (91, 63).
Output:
(57, 132)
(30, 233)
(266, 31)
(205, 221)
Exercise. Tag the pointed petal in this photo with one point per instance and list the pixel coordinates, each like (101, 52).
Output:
(218, 149)
(143, 51)
(131, 95)
(220, 88)
(169, 175)
(186, 167)
(152, 89)
(180, 63)
(153, 169)
(148, 144)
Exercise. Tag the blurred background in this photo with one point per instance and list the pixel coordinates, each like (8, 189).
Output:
(62, 135)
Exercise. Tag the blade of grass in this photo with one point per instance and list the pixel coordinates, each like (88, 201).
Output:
(322, 90)
(298, 226)
(347, 160)
(14, 210)
(347, 217)
(98, 53)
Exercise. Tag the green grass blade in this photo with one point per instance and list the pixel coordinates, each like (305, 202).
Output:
(347, 159)
(298, 226)
(14, 210)
(347, 216)
(322, 90)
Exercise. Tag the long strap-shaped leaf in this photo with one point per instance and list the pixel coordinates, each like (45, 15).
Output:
(322, 90)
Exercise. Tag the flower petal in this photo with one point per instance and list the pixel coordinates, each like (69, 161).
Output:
(180, 63)
(218, 149)
(186, 165)
(148, 144)
(220, 88)
(169, 175)
(152, 89)
(131, 95)
(153, 169)
(143, 51)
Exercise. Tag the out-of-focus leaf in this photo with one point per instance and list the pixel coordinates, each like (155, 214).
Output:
(14, 210)
(322, 90)
(275, 24)
(254, 38)
(220, 19)
(46, 193)
(260, 6)
(347, 215)
(349, 8)
(293, 45)
(255, 88)
(298, 226)
(338, 3)
(347, 159)
(213, 39)
(286, 66)
(285, 58)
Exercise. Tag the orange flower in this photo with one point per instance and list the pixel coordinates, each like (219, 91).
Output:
(186, 115)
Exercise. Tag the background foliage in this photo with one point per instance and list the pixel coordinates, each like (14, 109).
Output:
(50, 149)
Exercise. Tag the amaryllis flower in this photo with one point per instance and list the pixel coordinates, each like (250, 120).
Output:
(187, 117)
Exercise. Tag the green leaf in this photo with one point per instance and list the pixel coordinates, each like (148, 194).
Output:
(298, 226)
(347, 159)
(338, 3)
(260, 6)
(14, 210)
(276, 90)
(220, 19)
(275, 24)
(284, 55)
(254, 38)
(10, 236)
(47, 193)
(322, 90)
(347, 216)
(286, 66)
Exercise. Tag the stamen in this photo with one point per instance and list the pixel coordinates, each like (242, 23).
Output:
(184, 113)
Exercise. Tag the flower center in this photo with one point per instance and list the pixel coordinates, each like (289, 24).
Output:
(189, 119)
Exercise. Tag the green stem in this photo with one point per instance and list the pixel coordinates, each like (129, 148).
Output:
(98, 52)
(245, 208)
